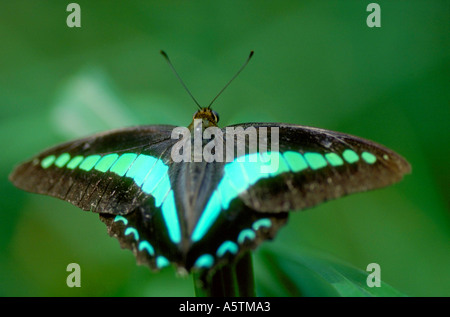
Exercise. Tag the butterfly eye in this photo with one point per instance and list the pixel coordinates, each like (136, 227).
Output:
(216, 115)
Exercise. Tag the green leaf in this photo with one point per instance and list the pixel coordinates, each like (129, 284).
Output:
(314, 274)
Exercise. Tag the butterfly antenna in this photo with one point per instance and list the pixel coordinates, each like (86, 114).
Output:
(240, 70)
(179, 78)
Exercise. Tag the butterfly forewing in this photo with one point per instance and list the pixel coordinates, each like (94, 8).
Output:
(317, 165)
(80, 172)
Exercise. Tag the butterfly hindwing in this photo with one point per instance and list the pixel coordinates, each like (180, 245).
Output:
(234, 232)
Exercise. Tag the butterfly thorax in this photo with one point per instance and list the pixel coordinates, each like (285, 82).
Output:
(195, 180)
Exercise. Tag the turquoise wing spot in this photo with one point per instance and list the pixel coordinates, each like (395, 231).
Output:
(295, 161)
(157, 184)
(276, 162)
(252, 168)
(246, 234)
(75, 162)
(141, 167)
(253, 158)
(227, 246)
(264, 222)
(106, 162)
(124, 162)
(89, 162)
(120, 218)
(161, 262)
(350, 156)
(227, 191)
(62, 160)
(204, 261)
(368, 157)
(244, 175)
(283, 167)
(155, 176)
(334, 159)
(48, 161)
(161, 190)
(145, 245)
(132, 231)
(315, 160)
(171, 218)
(208, 217)
(234, 171)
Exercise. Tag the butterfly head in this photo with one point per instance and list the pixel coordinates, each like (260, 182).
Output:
(209, 117)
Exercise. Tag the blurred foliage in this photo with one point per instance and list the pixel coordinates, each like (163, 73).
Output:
(316, 63)
(310, 273)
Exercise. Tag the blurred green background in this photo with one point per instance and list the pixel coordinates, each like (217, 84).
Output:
(316, 63)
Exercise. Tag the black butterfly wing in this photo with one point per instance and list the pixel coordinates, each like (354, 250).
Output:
(317, 165)
(59, 171)
(123, 175)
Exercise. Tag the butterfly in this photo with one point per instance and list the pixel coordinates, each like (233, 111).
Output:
(202, 214)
